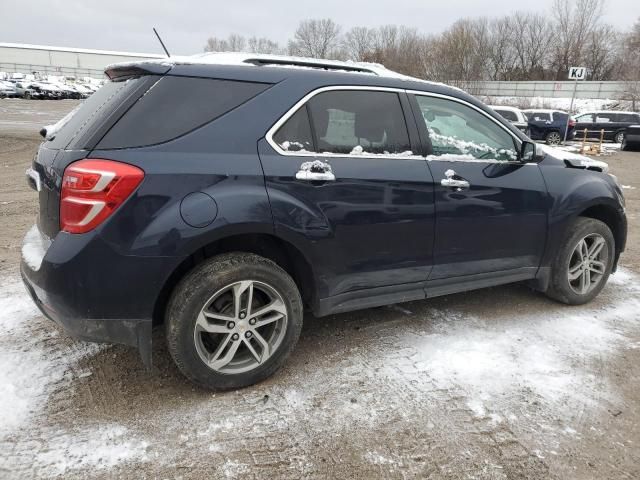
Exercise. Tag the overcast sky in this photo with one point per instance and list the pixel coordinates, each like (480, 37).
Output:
(185, 26)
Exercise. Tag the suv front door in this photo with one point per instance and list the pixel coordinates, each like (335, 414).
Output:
(491, 209)
(368, 222)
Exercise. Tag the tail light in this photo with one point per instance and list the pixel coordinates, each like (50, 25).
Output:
(92, 189)
(572, 123)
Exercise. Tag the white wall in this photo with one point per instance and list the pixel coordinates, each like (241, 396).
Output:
(62, 61)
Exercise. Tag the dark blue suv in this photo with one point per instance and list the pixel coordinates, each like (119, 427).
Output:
(550, 126)
(223, 200)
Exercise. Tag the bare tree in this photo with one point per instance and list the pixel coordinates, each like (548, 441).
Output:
(233, 43)
(602, 53)
(263, 45)
(359, 43)
(575, 21)
(316, 38)
(631, 66)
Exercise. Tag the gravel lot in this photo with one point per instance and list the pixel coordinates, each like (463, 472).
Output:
(497, 383)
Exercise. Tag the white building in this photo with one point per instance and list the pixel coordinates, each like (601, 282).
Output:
(76, 62)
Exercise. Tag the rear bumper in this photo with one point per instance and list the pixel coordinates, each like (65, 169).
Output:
(132, 332)
(92, 291)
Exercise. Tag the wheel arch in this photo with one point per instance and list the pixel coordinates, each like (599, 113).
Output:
(286, 255)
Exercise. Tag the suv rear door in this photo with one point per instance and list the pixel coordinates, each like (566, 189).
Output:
(372, 225)
(491, 209)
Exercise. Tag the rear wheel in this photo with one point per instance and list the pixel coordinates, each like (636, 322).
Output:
(553, 138)
(583, 264)
(619, 137)
(233, 321)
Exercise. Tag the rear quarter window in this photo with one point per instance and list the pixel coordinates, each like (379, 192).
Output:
(508, 115)
(88, 113)
(176, 106)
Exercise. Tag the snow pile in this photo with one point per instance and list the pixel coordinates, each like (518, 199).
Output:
(580, 105)
(33, 364)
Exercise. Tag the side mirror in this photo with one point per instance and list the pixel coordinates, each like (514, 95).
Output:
(530, 152)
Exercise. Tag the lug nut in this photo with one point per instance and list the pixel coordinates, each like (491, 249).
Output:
(247, 334)
(231, 325)
(235, 336)
(243, 314)
(252, 321)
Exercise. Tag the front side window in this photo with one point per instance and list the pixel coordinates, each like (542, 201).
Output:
(459, 130)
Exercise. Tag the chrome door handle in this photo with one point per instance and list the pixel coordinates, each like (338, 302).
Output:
(315, 176)
(316, 171)
(452, 182)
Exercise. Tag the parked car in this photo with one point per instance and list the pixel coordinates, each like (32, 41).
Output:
(631, 139)
(7, 89)
(26, 90)
(613, 123)
(329, 188)
(513, 115)
(549, 125)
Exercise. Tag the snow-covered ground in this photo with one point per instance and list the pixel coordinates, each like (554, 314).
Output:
(444, 368)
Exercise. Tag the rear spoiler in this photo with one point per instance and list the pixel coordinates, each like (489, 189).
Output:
(126, 70)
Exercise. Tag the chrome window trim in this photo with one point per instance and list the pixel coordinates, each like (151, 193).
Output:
(276, 126)
(289, 113)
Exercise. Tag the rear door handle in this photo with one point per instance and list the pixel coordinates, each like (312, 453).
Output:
(316, 171)
(452, 182)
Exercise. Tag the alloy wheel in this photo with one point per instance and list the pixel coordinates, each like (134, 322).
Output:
(240, 327)
(553, 138)
(588, 264)
(619, 138)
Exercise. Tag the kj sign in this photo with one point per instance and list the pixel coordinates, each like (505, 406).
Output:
(577, 73)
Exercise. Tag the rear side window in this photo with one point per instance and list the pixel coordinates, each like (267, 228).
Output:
(559, 117)
(508, 115)
(295, 135)
(359, 122)
(628, 118)
(175, 106)
(89, 112)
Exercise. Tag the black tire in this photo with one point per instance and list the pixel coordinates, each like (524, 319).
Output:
(27, 96)
(618, 137)
(560, 288)
(195, 290)
(553, 138)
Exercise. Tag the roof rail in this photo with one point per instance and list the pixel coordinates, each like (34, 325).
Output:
(262, 61)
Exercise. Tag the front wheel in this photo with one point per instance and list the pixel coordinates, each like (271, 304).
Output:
(583, 263)
(619, 138)
(553, 138)
(233, 321)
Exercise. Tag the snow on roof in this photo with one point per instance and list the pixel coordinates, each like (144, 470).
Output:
(543, 110)
(283, 61)
(27, 46)
(504, 107)
(606, 111)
